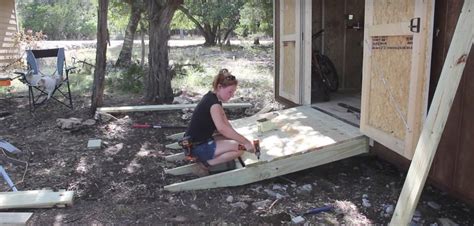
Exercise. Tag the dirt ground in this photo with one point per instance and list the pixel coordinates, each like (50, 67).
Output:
(122, 183)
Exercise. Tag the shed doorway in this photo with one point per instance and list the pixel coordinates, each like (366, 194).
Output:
(337, 42)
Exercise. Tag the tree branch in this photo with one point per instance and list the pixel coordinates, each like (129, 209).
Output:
(188, 14)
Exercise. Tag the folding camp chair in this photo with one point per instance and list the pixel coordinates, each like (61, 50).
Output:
(4, 145)
(46, 75)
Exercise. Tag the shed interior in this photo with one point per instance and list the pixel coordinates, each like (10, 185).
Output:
(342, 22)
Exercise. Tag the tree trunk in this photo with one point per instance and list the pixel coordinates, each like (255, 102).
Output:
(209, 35)
(256, 41)
(100, 57)
(142, 61)
(158, 82)
(125, 56)
(206, 31)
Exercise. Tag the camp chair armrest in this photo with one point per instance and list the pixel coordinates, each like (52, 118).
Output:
(70, 68)
(19, 73)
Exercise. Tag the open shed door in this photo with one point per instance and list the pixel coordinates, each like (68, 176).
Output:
(396, 68)
(290, 49)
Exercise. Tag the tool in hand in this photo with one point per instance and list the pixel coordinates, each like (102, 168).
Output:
(256, 144)
(241, 148)
(187, 146)
(157, 126)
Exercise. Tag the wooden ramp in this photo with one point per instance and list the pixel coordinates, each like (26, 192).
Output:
(302, 138)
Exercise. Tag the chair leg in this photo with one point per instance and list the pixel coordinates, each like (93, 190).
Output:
(31, 99)
(69, 93)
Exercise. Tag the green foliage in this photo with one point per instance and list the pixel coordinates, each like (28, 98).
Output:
(65, 19)
(181, 21)
(116, 17)
(60, 19)
(192, 78)
(129, 80)
(256, 17)
(215, 17)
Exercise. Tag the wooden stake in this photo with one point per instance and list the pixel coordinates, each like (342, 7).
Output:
(437, 117)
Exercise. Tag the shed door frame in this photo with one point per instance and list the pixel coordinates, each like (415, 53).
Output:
(294, 74)
(401, 130)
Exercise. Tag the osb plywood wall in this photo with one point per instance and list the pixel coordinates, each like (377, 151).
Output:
(389, 88)
(288, 80)
(289, 25)
(399, 10)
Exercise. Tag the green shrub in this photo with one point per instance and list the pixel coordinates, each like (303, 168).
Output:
(129, 80)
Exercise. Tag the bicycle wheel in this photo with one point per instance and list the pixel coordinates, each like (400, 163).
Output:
(328, 73)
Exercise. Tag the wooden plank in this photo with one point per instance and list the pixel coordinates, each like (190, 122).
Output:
(165, 107)
(181, 170)
(306, 51)
(420, 75)
(290, 49)
(35, 199)
(277, 167)
(175, 157)
(15, 218)
(437, 116)
(175, 136)
(396, 73)
(174, 146)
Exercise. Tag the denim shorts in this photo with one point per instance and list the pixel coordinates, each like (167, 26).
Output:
(205, 151)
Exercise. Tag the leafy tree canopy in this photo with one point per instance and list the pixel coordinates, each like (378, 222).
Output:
(60, 19)
(216, 19)
(256, 16)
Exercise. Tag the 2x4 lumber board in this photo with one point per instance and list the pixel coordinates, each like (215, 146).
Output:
(15, 218)
(175, 157)
(35, 199)
(165, 107)
(277, 167)
(181, 170)
(174, 146)
(175, 136)
(437, 116)
(193, 167)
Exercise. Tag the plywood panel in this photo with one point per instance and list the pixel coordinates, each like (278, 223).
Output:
(290, 50)
(288, 76)
(390, 80)
(396, 70)
(392, 11)
(296, 130)
(289, 23)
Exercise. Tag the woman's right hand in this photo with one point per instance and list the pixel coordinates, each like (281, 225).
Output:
(249, 146)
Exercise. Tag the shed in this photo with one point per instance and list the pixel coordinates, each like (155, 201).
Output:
(8, 28)
(388, 55)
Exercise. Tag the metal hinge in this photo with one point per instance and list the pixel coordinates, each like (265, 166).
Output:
(415, 25)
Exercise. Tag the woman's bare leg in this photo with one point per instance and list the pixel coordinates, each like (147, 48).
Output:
(226, 150)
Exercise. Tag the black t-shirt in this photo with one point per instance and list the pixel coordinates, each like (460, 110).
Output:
(201, 126)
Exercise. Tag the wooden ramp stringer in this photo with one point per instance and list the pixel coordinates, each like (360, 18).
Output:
(276, 167)
(35, 199)
(15, 218)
